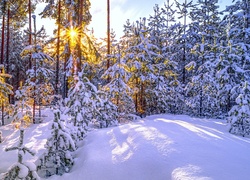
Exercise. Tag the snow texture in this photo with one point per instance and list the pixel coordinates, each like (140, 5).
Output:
(157, 147)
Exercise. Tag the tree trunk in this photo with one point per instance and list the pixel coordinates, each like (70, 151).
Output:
(30, 40)
(35, 68)
(108, 34)
(8, 41)
(2, 61)
(2, 113)
(2, 44)
(79, 60)
(58, 48)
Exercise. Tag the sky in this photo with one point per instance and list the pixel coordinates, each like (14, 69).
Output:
(121, 10)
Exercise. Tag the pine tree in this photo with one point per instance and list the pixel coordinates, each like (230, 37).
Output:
(57, 159)
(21, 170)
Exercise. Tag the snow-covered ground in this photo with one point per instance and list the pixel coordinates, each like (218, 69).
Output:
(160, 147)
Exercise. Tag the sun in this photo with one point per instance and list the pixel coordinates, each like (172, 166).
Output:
(73, 35)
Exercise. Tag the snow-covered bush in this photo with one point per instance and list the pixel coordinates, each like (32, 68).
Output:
(57, 159)
(21, 170)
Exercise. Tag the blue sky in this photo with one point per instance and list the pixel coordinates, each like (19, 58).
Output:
(121, 10)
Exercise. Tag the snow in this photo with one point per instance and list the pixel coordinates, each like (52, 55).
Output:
(156, 147)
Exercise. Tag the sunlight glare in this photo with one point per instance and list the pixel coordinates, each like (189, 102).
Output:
(73, 33)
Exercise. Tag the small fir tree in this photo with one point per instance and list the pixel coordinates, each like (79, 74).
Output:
(21, 170)
(22, 116)
(57, 159)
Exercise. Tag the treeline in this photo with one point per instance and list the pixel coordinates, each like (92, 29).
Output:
(185, 58)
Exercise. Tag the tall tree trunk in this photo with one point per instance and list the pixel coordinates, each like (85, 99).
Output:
(142, 98)
(8, 41)
(184, 48)
(2, 44)
(30, 36)
(136, 97)
(58, 47)
(2, 59)
(79, 63)
(35, 68)
(2, 109)
(67, 55)
(7, 51)
(108, 33)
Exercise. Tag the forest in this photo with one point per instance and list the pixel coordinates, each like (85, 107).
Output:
(185, 58)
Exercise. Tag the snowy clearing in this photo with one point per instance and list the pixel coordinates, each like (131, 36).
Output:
(157, 147)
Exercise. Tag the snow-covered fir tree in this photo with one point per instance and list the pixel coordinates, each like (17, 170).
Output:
(22, 114)
(38, 82)
(201, 90)
(139, 57)
(106, 112)
(81, 103)
(164, 89)
(239, 114)
(117, 90)
(233, 65)
(57, 158)
(21, 170)
(5, 91)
